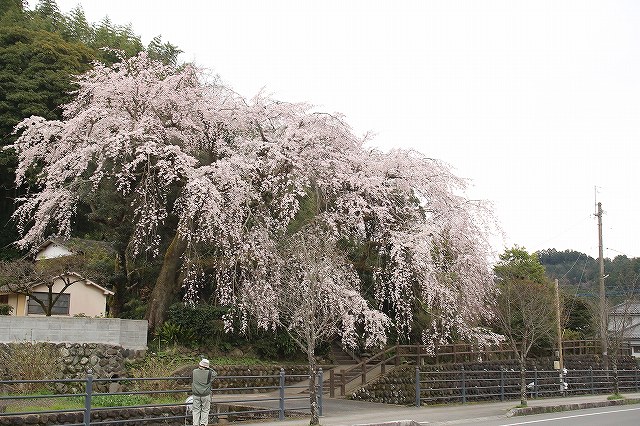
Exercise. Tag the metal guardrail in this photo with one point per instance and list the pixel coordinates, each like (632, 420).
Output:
(445, 354)
(14, 393)
(475, 385)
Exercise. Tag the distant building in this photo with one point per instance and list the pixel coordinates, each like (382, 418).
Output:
(625, 319)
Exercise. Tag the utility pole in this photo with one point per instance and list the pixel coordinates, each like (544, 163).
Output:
(559, 324)
(603, 301)
(559, 332)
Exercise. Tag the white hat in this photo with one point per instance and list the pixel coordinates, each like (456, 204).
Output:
(204, 363)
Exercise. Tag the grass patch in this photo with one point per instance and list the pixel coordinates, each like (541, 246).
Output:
(103, 401)
(120, 400)
(615, 397)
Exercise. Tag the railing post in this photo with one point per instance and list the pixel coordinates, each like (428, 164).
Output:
(501, 383)
(535, 381)
(636, 377)
(343, 384)
(332, 382)
(281, 407)
(320, 390)
(87, 398)
(364, 369)
(464, 387)
(591, 380)
(417, 386)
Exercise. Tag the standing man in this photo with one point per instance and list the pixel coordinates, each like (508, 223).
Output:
(201, 389)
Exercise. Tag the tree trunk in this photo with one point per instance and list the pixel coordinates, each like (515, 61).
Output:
(616, 381)
(117, 301)
(49, 307)
(523, 382)
(313, 392)
(167, 284)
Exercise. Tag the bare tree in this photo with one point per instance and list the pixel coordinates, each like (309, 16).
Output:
(524, 309)
(619, 326)
(622, 308)
(318, 299)
(23, 277)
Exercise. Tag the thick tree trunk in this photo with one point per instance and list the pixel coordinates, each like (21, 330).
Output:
(167, 284)
(117, 301)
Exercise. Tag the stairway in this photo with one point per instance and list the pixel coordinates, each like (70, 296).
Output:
(340, 357)
(352, 377)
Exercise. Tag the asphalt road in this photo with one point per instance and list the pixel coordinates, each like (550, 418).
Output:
(340, 412)
(606, 416)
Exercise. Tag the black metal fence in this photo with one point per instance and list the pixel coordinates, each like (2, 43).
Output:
(42, 403)
(473, 385)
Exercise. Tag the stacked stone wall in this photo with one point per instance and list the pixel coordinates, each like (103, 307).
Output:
(398, 386)
(74, 360)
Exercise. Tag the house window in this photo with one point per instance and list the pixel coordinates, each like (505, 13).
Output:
(636, 349)
(61, 306)
(4, 299)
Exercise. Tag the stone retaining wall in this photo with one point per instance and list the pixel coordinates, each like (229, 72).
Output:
(75, 359)
(398, 386)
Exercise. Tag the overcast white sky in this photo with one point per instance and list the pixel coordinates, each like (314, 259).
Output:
(536, 102)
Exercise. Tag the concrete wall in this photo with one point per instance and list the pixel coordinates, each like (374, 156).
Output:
(130, 334)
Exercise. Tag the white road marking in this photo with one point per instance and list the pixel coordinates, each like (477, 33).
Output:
(570, 417)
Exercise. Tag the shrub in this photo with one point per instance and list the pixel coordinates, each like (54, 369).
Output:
(30, 361)
(276, 345)
(5, 309)
(198, 325)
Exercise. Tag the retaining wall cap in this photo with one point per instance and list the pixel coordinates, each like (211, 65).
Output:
(395, 423)
(540, 409)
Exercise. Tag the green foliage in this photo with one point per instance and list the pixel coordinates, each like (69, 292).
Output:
(134, 308)
(578, 318)
(41, 52)
(120, 400)
(166, 52)
(36, 76)
(5, 309)
(276, 345)
(195, 325)
(518, 264)
(173, 334)
(570, 267)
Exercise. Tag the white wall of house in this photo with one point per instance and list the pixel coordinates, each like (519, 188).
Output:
(52, 251)
(17, 303)
(85, 298)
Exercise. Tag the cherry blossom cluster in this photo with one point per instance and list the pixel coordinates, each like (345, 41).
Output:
(236, 175)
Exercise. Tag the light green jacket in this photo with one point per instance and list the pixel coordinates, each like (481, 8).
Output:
(201, 383)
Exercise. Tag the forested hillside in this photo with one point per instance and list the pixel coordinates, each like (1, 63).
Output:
(41, 52)
(578, 272)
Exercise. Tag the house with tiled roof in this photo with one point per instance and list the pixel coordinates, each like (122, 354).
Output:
(82, 296)
(625, 320)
